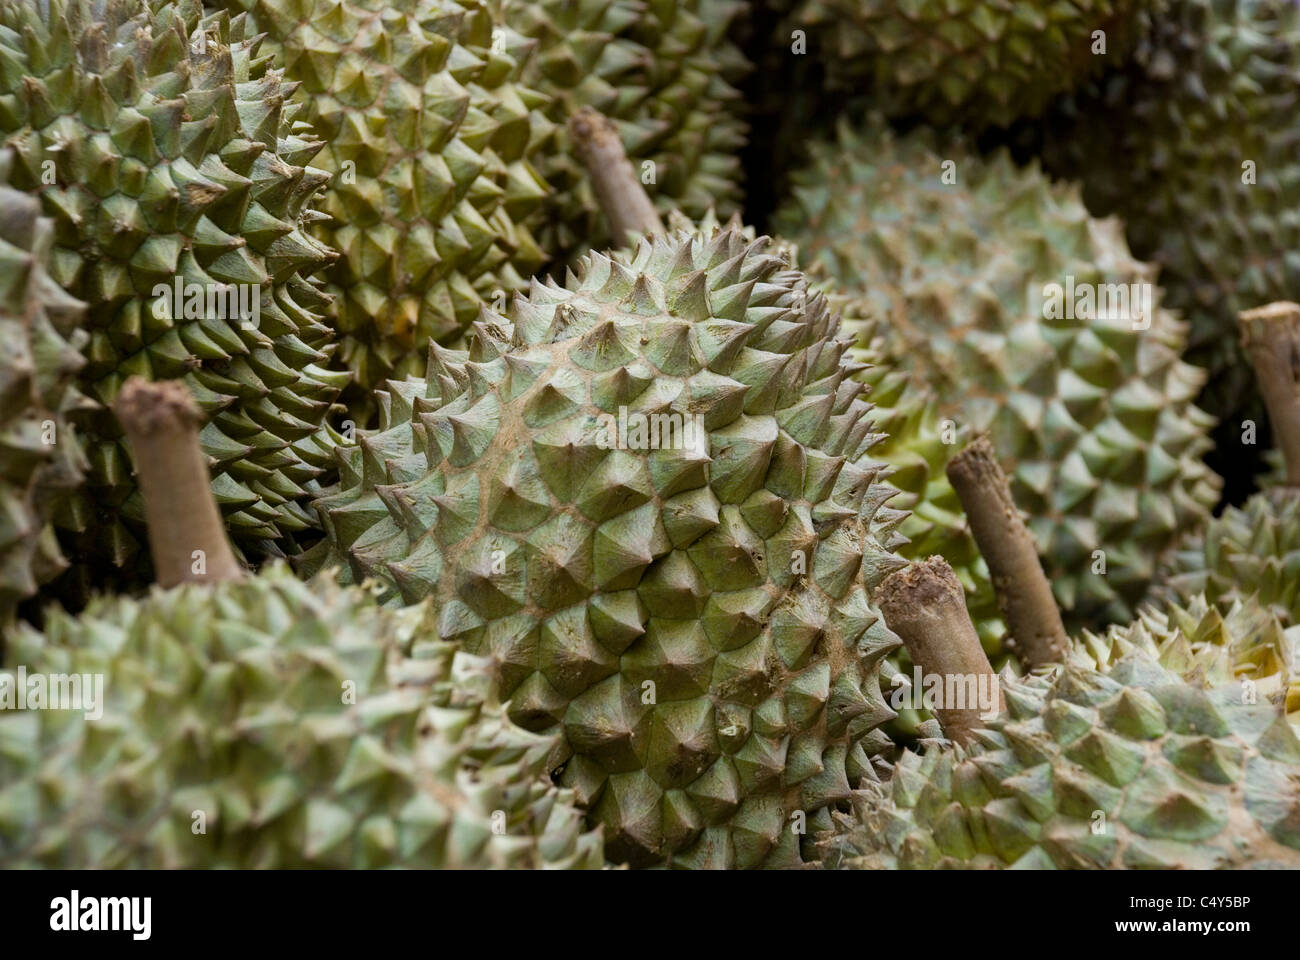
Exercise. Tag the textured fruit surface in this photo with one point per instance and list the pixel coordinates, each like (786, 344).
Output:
(1091, 414)
(1198, 155)
(1252, 550)
(975, 62)
(663, 72)
(1134, 768)
(167, 153)
(299, 726)
(691, 605)
(919, 442)
(1215, 643)
(40, 460)
(427, 131)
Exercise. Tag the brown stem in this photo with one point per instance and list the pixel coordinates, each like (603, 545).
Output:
(1271, 336)
(1024, 595)
(162, 426)
(627, 206)
(924, 604)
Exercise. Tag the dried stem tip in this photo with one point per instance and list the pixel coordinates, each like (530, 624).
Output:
(1271, 336)
(186, 535)
(924, 604)
(627, 206)
(1024, 595)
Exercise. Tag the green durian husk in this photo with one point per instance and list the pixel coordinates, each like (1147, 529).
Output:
(694, 618)
(40, 459)
(165, 150)
(1093, 419)
(665, 74)
(269, 724)
(1198, 156)
(431, 133)
(1145, 764)
(1247, 551)
(977, 63)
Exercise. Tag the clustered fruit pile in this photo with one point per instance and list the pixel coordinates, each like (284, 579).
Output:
(414, 453)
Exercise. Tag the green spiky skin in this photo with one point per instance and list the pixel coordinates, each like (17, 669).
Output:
(697, 621)
(1215, 84)
(918, 444)
(169, 161)
(428, 132)
(664, 72)
(907, 413)
(1253, 550)
(40, 459)
(1129, 769)
(974, 62)
(1214, 643)
(1092, 419)
(307, 727)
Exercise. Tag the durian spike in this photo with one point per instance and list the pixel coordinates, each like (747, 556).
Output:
(1023, 593)
(613, 178)
(186, 535)
(1271, 336)
(925, 605)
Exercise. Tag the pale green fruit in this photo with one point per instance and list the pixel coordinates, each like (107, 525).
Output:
(1092, 416)
(266, 723)
(692, 611)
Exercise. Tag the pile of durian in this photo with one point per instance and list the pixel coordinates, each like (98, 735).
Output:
(664, 433)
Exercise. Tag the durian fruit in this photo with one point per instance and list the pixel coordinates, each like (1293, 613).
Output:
(664, 72)
(1134, 768)
(1252, 550)
(223, 721)
(1217, 643)
(428, 131)
(648, 495)
(975, 62)
(40, 460)
(918, 444)
(168, 156)
(1198, 156)
(1092, 419)
(265, 723)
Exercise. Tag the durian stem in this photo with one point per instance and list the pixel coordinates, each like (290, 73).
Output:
(1271, 336)
(1024, 595)
(186, 535)
(622, 197)
(925, 605)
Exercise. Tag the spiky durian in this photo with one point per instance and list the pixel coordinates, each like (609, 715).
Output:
(691, 609)
(166, 154)
(917, 445)
(1253, 550)
(264, 723)
(1134, 768)
(976, 62)
(1198, 156)
(663, 72)
(919, 442)
(1217, 644)
(428, 131)
(1092, 417)
(40, 460)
